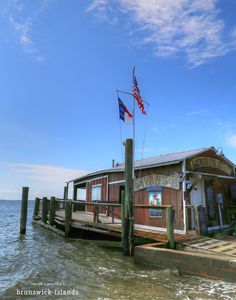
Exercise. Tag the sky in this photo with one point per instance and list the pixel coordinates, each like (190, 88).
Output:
(61, 63)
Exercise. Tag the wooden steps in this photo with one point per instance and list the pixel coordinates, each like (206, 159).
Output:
(222, 247)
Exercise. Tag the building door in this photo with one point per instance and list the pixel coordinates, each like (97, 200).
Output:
(197, 196)
(217, 218)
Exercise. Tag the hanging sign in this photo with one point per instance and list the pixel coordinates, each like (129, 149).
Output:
(201, 162)
(156, 179)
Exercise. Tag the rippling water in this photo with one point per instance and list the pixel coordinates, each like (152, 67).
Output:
(44, 262)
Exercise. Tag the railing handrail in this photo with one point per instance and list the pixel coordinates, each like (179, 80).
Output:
(113, 204)
(151, 206)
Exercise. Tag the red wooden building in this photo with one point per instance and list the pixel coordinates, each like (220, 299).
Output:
(202, 178)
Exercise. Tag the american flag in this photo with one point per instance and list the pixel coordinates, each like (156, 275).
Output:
(136, 94)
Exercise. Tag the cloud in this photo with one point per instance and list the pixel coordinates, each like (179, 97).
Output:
(45, 173)
(8, 191)
(164, 128)
(43, 180)
(231, 140)
(22, 22)
(23, 34)
(143, 150)
(103, 10)
(201, 112)
(174, 27)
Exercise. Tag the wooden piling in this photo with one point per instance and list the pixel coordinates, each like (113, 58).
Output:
(52, 211)
(65, 196)
(128, 241)
(170, 227)
(24, 208)
(68, 215)
(36, 206)
(44, 210)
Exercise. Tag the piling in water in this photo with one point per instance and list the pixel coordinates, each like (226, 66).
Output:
(44, 210)
(68, 215)
(52, 211)
(24, 207)
(36, 207)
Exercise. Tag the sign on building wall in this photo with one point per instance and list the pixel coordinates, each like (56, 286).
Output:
(155, 198)
(201, 162)
(172, 182)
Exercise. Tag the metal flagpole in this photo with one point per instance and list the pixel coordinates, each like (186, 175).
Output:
(133, 129)
(127, 93)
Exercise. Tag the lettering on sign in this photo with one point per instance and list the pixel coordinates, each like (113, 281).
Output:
(156, 179)
(201, 162)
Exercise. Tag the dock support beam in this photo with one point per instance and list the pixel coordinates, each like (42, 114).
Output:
(170, 227)
(52, 211)
(24, 208)
(44, 210)
(68, 215)
(128, 224)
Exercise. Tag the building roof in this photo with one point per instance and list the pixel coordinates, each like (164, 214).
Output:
(155, 161)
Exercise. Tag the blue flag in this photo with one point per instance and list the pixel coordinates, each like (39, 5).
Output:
(125, 115)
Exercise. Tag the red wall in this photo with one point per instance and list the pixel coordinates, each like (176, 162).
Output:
(169, 197)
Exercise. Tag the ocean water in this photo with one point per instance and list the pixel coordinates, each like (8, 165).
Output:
(43, 265)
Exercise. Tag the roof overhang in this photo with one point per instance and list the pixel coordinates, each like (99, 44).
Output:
(210, 175)
(121, 170)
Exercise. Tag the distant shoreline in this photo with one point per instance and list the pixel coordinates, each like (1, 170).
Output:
(14, 200)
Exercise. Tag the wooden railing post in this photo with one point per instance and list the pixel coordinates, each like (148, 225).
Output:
(24, 208)
(74, 198)
(44, 210)
(187, 218)
(68, 215)
(170, 227)
(112, 214)
(196, 219)
(52, 211)
(95, 214)
(36, 206)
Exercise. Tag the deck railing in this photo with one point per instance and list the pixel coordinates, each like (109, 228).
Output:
(45, 209)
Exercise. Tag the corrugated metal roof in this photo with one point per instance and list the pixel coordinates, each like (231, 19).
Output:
(169, 158)
(154, 161)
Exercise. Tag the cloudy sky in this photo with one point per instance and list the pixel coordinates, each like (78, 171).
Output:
(62, 61)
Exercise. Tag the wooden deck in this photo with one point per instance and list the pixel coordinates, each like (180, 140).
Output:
(107, 226)
(210, 245)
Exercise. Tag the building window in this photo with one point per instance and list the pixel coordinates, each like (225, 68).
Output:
(96, 192)
(155, 198)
